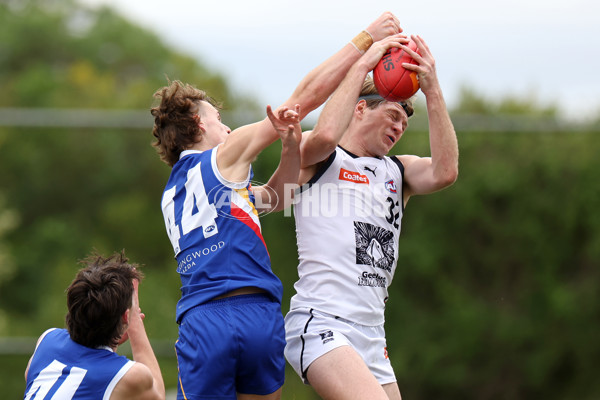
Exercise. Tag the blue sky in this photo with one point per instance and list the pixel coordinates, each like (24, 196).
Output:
(545, 50)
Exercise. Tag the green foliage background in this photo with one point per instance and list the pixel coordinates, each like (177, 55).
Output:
(495, 294)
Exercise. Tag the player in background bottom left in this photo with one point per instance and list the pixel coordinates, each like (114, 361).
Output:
(80, 362)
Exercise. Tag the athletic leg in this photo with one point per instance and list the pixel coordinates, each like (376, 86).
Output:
(392, 390)
(341, 374)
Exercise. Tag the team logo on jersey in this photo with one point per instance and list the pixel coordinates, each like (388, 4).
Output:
(210, 228)
(391, 186)
(326, 336)
(374, 246)
(372, 279)
(353, 176)
(187, 262)
(371, 170)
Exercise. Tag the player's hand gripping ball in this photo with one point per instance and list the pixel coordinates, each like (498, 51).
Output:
(392, 80)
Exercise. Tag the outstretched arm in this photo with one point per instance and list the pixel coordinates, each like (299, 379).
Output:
(278, 192)
(430, 174)
(337, 113)
(144, 379)
(320, 83)
(245, 143)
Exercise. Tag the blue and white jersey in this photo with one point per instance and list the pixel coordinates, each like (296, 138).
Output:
(63, 369)
(215, 231)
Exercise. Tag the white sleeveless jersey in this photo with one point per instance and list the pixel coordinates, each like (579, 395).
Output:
(348, 226)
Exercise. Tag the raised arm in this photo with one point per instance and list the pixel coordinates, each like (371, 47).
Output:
(245, 143)
(320, 83)
(429, 174)
(144, 379)
(337, 113)
(278, 192)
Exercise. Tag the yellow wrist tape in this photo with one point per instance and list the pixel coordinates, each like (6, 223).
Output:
(362, 42)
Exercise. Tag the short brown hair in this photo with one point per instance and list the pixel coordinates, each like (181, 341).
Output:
(175, 121)
(369, 88)
(97, 298)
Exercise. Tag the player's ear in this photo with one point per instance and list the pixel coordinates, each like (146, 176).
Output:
(125, 317)
(199, 122)
(125, 325)
(360, 108)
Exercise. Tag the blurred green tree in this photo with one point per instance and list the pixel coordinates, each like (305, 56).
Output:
(66, 191)
(78, 189)
(494, 294)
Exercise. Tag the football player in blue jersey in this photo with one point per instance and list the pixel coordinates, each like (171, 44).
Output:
(231, 330)
(80, 362)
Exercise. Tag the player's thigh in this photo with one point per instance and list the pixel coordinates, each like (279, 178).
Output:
(260, 336)
(206, 356)
(342, 374)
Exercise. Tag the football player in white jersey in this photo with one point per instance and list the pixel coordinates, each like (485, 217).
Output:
(80, 362)
(231, 331)
(348, 215)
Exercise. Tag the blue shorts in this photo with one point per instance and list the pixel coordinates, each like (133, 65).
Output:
(229, 346)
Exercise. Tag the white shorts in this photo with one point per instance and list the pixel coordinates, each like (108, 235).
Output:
(310, 334)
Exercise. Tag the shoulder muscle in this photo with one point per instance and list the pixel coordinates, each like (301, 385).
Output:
(137, 383)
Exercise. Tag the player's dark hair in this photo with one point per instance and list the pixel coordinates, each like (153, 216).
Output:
(97, 299)
(175, 119)
(369, 88)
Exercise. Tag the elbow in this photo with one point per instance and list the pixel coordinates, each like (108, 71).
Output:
(446, 177)
(450, 176)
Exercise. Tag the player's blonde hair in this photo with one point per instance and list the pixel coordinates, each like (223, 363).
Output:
(369, 88)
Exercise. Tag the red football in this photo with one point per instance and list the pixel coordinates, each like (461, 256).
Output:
(392, 80)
